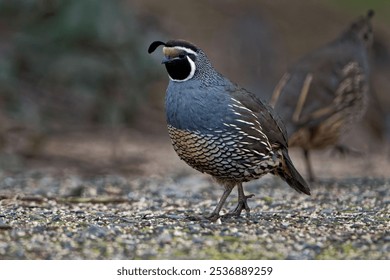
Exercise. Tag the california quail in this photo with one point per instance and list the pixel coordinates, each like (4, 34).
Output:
(326, 91)
(220, 128)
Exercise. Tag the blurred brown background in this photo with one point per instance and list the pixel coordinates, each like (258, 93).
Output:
(78, 91)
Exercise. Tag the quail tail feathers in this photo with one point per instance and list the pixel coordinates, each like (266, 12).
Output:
(292, 176)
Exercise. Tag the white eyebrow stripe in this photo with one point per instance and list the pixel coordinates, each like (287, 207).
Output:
(185, 49)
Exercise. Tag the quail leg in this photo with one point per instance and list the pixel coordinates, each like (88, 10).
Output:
(242, 202)
(215, 214)
(308, 165)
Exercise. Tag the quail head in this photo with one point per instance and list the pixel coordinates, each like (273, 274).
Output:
(220, 128)
(326, 91)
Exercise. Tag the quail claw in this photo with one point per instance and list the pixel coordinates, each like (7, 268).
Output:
(213, 217)
(242, 204)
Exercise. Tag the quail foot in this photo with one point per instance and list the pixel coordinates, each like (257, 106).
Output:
(326, 91)
(221, 129)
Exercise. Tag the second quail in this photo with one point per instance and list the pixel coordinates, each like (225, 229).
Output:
(326, 91)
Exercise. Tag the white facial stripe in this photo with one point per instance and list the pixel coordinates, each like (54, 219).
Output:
(193, 68)
(186, 50)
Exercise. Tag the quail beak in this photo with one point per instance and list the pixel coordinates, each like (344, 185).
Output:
(166, 60)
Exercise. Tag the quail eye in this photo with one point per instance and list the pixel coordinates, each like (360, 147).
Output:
(365, 36)
(192, 57)
(182, 56)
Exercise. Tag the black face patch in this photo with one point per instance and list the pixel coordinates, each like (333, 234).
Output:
(179, 68)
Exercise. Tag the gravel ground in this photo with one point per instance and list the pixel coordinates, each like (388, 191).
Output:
(64, 216)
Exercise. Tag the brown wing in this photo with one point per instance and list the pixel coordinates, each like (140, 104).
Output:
(268, 121)
(274, 131)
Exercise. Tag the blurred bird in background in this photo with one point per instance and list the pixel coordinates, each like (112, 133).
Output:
(326, 91)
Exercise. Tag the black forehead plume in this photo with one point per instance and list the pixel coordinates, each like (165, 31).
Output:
(370, 13)
(172, 43)
(153, 46)
(362, 21)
